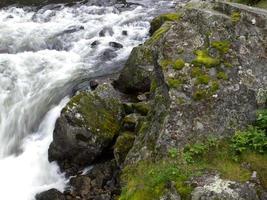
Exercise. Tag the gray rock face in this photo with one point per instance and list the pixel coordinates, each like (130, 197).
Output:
(214, 188)
(86, 126)
(214, 62)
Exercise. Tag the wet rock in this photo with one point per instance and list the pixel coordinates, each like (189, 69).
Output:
(87, 125)
(51, 194)
(135, 76)
(93, 84)
(108, 54)
(105, 31)
(115, 45)
(95, 44)
(125, 33)
(100, 182)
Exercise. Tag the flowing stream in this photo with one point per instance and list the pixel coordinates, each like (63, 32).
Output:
(44, 55)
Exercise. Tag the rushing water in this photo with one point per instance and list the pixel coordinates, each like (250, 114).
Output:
(44, 55)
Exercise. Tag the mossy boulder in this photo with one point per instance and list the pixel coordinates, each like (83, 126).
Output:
(142, 107)
(87, 125)
(122, 146)
(157, 22)
(135, 76)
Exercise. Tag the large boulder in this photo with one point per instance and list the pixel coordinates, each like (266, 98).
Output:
(87, 125)
(214, 62)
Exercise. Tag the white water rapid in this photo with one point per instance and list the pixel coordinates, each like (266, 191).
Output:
(44, 55)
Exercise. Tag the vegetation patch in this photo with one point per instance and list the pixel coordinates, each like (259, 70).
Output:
(203, 58)
(148, 180)
(221, 46)
(235, 17)
(160, 20)
(222, 75)
(178, 64)
(174, 82)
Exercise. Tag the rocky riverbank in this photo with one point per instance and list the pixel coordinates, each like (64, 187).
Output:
(172, 124)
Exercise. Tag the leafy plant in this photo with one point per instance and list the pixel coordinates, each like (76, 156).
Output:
(252, 139)
(261, 121)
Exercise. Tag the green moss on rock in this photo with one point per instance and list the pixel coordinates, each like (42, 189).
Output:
(203, 79)
(235, 17)
(142, 107)
(160, 20)
(122, 146)
(203, 58)
(158, 34)
(222, 75)
(174, 82)
(102, 116)
(222, 46)
(178, 64)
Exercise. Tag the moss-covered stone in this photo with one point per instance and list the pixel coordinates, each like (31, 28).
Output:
(142, 107)
(203, 79)
(130, 121)
(158, 34)
(165, 63)
(203, 58)
(174, 82)
(222, 46)
(122, 146)
(101, 116)
(235, 17)
(178, 64)
(160, 20)
(222, 75)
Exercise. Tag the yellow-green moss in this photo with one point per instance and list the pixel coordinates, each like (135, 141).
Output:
(101, 116)
(178, 64)
(222, 46)
(214, 86)
(196, 71)
(222, 75)
(200, 94)
(203, 58)
(122, 146)
(158, 34)
(203, 79)
(235, 17)
(165, 63)
(174, 82)
(142, 107)
(160, 20)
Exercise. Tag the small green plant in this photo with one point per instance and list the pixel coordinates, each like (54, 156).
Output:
(203, 79)
(252, 139)
(214, 87)
(178, 64)
(196, 71)
(203, 58)
(221, 46)
(174, 82)
(261, 121)
(235, 17)
(173, 153)
(165, 63)
(222, 75)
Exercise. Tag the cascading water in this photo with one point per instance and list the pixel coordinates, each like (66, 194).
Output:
(44, 54)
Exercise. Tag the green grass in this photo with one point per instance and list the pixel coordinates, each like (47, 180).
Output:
(149, 180)
(262, 4)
